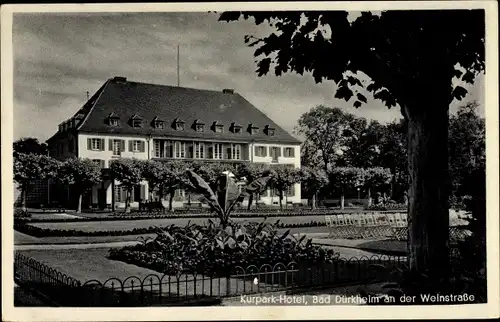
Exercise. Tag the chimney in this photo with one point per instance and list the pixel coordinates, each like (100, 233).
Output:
(228, 91)
(120, 79)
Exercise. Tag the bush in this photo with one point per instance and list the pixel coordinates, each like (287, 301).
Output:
(213, 250)
(21, 214)
(388, 207)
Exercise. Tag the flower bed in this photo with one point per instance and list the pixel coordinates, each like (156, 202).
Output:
(213, 250)
(34, 231)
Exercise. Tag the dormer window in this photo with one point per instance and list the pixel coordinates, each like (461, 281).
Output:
(218, 128)
(136, 121)
(253, 129)
(113, 119)
(235, 128)
(199, 126)
(178, 124)
(270, 131)
(157, 123)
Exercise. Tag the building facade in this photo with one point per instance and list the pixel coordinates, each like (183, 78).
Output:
(126, 119)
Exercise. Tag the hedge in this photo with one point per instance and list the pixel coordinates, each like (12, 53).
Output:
(45, 232)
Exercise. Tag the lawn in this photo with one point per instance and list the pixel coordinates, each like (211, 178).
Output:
(145, 223)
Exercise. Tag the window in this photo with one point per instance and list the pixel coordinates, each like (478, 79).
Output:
(179, 126)
(217, 150)
(199, 127)
(270, 132)
(180, 149)
(117, 147)
(260, 151)
(99, 163)
(290, 191)
(199, 150)
(158, 149)
(252, 129)
(236, 152)
(96, 144)
(275, 152)
(158, 124)
(289, 153)
(237, 130)
(137, 123)
(136, 146)
(120, 193)
(219, 128)
(113, 122)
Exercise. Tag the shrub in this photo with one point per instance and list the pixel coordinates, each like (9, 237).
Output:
(21, 214)
(388, 207)
(213, 250)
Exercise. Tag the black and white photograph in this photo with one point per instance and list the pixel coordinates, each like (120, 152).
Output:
(256, 161)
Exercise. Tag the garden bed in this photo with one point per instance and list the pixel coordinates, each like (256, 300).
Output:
(215, 251)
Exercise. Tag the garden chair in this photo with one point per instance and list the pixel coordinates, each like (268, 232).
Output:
(329, 224)
(383, 224)
(350, 227)
(342, 226)
(356, 228)
(401, 229)
(371, 226)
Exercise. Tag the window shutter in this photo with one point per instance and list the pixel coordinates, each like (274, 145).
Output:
(123, 146)
(292, 152)
(229, 156)
(110, 145)
(130, 146)
(257, 152)
(143, 146)
(89, 144)
(264, 151)
(278, 151)
(102, 144)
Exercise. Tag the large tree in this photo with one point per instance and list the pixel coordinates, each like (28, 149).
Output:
(467, 146)
(282, 178)
(82, 174)
(312, 181)
(30, 145)
(343, 178)
(326, 132)
(129, 173)
(29, 167)
(406, 58)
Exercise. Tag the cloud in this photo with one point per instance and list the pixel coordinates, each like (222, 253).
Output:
(59, 57)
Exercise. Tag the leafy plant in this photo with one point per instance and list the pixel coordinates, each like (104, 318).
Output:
(227, 194)
(212, 249)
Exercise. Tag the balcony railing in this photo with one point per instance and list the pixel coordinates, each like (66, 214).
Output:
(200, 159)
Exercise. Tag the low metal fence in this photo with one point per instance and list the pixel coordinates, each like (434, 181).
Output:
(200, 289)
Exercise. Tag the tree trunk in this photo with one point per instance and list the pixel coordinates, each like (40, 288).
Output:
(79, 205)
(313, 201)
(171, 200)
(428, 217)
(281, 199)
(369, 197)
(24, 192)
(342, 199)
(127, 201)
(250, 200)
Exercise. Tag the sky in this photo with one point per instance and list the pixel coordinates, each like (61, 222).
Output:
(59, 57)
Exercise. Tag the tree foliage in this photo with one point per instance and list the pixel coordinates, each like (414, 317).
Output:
(282, 178)
(29, 167)
(312, 181)
(30, 145)
(129, 173)
(467, 145)
(326, 132)
(346, 177)
(82, 174)
(396, 50)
